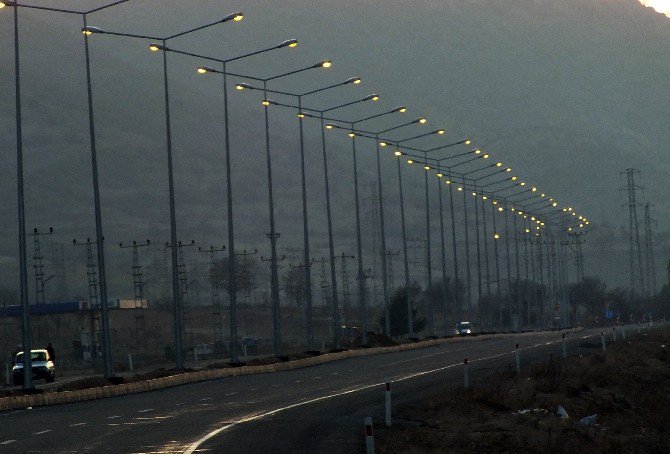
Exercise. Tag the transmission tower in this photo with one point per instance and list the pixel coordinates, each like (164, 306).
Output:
(575, 244)
(187, 325)
(138, 287)
(636, 271)
(649, 251)
(93, 306)
(372, 209)
(217, 312)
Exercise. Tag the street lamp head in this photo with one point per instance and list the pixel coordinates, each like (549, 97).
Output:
(486, 156)
(421, 120)
(498, 164)
(476, 151)
(7, 3)
(439, 131)
(426, 167)
(330, 126)
(234, 17)
(352, 134)
(372, 97)
(205, 70)
(401, 109)
(440, 175)
(534, 189)
(466, 141)
(410, 161)
(398, 153)
(89, 30)
(269, 102)
(155, 47)
(323, 64)
(301, 115)
(288, 43)
(496, 236)
(353, 80)
(382, 144)
(523, 183)
(509, 169)
(243, 86)
(514, 178)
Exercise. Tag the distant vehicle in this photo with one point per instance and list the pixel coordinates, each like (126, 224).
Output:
(464, 329)
(42, 365)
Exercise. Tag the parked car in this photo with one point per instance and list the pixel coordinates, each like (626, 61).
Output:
(42, 365)
(465, 329)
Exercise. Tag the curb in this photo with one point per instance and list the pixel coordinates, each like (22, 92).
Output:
(66, 397)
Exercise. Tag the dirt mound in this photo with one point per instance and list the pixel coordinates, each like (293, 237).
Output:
(627, 387)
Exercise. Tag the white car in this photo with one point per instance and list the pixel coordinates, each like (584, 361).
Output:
(464, 329)
(42, 365)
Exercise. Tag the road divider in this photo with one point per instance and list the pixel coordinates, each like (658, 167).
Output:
(66, 397)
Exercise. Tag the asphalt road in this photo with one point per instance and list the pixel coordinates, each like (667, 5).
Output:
(317, 409)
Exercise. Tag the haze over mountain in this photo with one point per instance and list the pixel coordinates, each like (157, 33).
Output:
(568, 93)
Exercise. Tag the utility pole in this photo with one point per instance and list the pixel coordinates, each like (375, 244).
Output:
(649, 251)
(38, 267)
(217, 312)
(183, 283)
(138, 287)
(93, 304)
(345, 291)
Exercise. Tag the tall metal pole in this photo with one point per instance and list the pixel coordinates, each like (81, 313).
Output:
(509, 267)
(305, 230)
(410, 322)
(467, 252)
(459, 308)
(176, 296)
(337, 332)
(23, 273)
(495, 251)
(99, 238)
(387, 316)
(359, 248)
(479, 257)
(429, 272)
(516, 259)
(486, 258)
(232, 284)
(276, 307)
(445, 291)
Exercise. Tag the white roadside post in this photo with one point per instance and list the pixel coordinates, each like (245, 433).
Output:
(565, 347)
(602, 339)
(517, 359)
(388, 402)
(466, 379)
(369, 436)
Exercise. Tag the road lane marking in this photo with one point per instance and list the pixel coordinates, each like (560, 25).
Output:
(113, 417)
(6, 442)
(297, 381)
(230, 394)
(206, 398)
(78, 424)
(41, 432)
(193, 447)
(145, 410)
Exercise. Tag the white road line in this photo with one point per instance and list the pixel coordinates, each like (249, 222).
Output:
(335, 373)
(297, 381)
(254, 389)
(146, 410)
(113, 417)
(206, 398)
(7, 442)
(196, 444)
(317, 378)
(230, 394)
(42, 432)
(78, 424)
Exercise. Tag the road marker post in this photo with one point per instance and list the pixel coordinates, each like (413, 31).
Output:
(369, 436)
(602, 339)
(388, 403)
(517, 359)
(466, 378)
(565, 347)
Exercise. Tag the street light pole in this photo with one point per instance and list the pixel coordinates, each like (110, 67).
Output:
(445, 291)
(410, 322)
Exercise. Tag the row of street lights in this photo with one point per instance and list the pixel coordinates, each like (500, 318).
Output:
(160, 44)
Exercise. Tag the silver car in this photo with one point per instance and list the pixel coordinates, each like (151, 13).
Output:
(42, 365)
(465, 329)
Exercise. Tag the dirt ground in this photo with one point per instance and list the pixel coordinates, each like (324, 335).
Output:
(628, 387)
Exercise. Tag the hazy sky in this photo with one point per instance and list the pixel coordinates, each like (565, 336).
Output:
(567, 92)
(662, 6)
